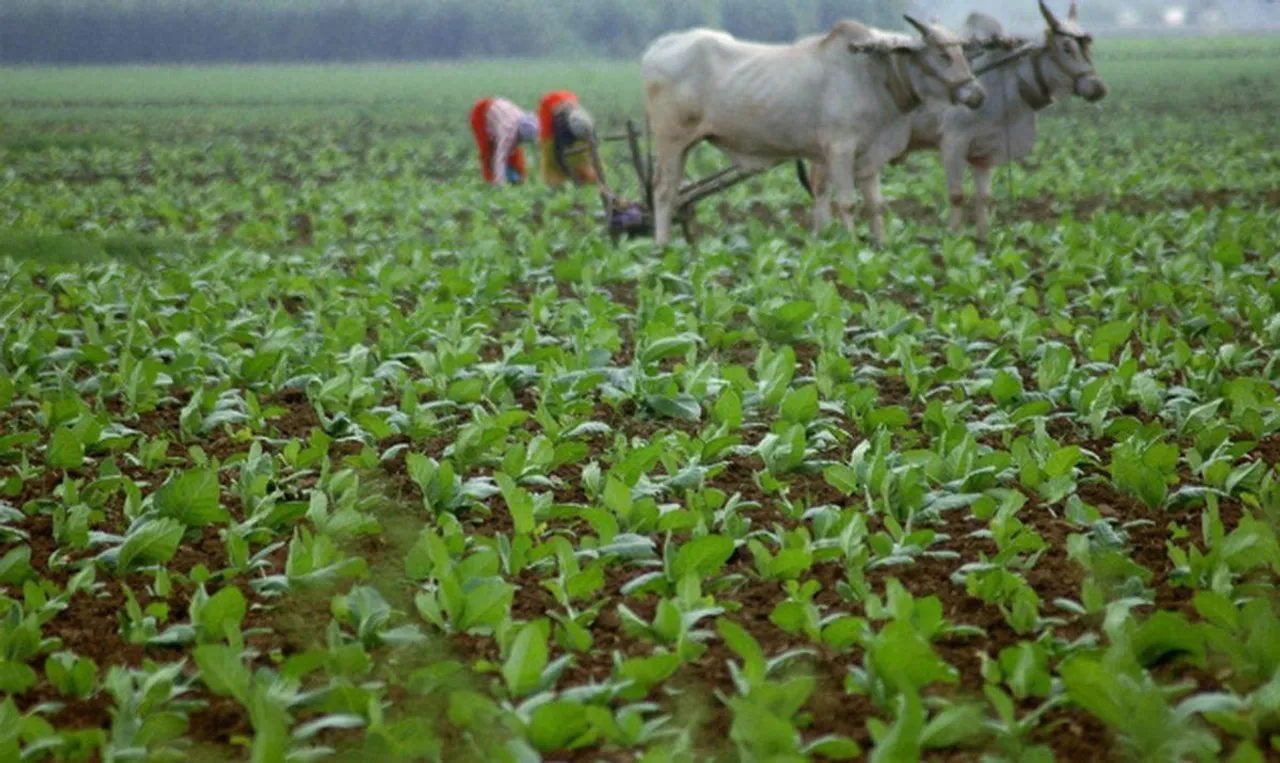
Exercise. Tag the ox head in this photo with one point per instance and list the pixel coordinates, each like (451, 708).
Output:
(942, 60)
(1068, 46)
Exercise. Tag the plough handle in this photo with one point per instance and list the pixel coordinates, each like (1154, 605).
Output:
(643, 172)
(602, 185)
(717, 183)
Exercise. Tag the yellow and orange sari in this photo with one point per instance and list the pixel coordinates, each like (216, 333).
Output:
(577, 167)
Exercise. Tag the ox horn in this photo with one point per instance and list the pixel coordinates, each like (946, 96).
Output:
(1074, 13)
(924, 30)
(1049, 18)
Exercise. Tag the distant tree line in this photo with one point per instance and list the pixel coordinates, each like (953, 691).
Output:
(155, 31)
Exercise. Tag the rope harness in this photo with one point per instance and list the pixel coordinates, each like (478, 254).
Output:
(904, 93)
(1040, 95)
(1037, 95)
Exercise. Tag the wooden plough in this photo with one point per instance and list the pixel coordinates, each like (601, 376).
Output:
(630, 219)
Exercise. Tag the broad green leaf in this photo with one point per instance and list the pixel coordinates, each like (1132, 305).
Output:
(270, 727)
(160, 727)
(834, 747)
(1026, 669)
(953, 726)
(906, 660)
(523, 668)
(1006, 387)
(223, 670)
(904, 738)
(487, 605)
(617, 496)
(224, 612)
(681, 407)
(16, 677)
(762, 732)
(1113, 334)
(1092, 686)
(1167, 634)
(745, 646)
(556, 725)
(466, 390)
(671, 347)
(892, 417)
(703, 556)
(192, 498)
(646, 672)
(15, 566)
(154, 542)
(1217, 609)
(728, 409)
(795, 312)
(66, 451)
(801, 405)
(1062, 461)
(519, 503)
(841, 477)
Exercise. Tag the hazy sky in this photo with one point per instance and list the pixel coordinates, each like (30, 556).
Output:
(1023, 15)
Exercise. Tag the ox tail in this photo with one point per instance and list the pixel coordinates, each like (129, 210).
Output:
(648, 164)
(803, 176)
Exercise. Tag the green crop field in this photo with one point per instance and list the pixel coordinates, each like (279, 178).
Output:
(312, 447)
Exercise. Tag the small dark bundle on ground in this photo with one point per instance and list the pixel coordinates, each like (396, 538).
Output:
(630, 219)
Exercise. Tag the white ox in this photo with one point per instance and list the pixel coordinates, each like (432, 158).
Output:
(843, 99)
(1004, 128)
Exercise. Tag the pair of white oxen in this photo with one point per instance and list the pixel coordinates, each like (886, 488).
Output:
(857, 98)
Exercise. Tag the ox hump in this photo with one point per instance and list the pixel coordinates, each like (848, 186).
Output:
(982, 25)
(940, 35)
(850, 31)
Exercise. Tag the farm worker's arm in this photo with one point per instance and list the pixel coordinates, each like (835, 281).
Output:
(506, 143)
(561, 136)
(584, 129)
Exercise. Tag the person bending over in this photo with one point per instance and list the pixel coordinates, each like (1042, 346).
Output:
(565, 125)
(500, 127)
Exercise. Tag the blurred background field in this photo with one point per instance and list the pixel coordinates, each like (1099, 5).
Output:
(1188, 72)
(1191, 114)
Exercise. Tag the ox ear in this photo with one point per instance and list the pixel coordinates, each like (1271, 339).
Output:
(924, 30)
(1049, 18)
(1074, 13)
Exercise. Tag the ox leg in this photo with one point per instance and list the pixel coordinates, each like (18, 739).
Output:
(666, 188)
(839, 181)
(982, 200)
(869, 186)
(821, 197)
(953, 163)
